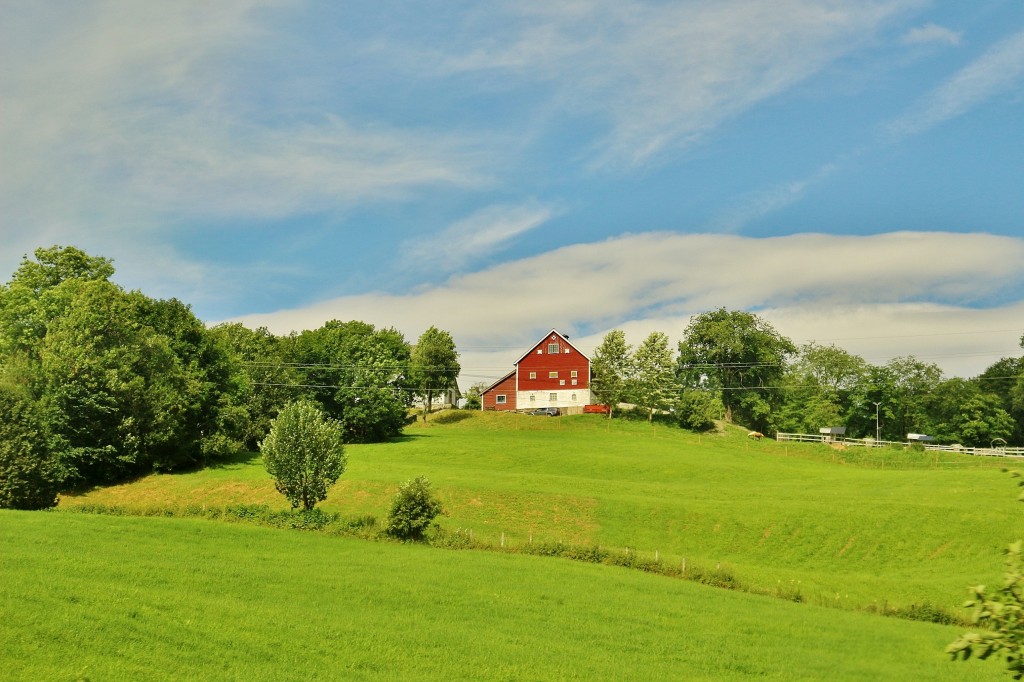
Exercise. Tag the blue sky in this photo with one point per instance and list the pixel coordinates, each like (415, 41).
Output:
(849, 169)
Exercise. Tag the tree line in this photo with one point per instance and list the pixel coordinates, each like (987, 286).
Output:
(99, 384)
(735, 365)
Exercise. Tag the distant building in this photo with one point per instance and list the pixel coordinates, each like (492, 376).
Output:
(552, 373)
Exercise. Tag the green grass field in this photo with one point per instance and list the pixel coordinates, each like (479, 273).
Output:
(119, 598)
(855, 529)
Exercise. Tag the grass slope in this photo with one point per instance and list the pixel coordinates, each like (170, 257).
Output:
(114, 598)
(852, 529)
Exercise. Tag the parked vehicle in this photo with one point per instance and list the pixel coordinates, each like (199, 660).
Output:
(545, 412)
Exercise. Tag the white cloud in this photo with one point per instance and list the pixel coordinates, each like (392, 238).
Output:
(814, 286)
(997, 70)
(931, 33)
(664, 74)
(480, 234)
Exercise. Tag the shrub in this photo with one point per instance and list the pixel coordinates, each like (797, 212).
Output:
(413, 510)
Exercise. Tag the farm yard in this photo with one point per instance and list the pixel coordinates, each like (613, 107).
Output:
(816, 544)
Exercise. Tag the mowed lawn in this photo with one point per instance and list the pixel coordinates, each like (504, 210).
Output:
(799, 520)
(123, 598)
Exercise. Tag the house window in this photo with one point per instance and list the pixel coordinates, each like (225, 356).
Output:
(552, 397)
(574, 374)
(533, 375)
(552, 349)
(499, 399)
(552, 375)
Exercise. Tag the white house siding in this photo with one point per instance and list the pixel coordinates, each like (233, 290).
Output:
(563, 398)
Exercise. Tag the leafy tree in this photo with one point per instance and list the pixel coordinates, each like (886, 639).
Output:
(823, 387)
(610, 370)
(28, 473)
(962, 413)
(740, 355)
(904, 386)
(304, 453)
(698, 410)
(653, 383)
(413, 509)
(1002, 379)
(434, 366)
(357, 373)
(473, 396)
(32, 298)
(262, 382)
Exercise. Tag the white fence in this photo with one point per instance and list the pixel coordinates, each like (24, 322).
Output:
(872, 443)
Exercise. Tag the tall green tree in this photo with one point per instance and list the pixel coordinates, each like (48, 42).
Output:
(610, 369)
(653, 382)
(304, 453)
(434, 365)
(742, 356)
(961, 412)
(1005, 379)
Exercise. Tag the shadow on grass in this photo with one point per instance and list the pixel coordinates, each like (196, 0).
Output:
(229, 462)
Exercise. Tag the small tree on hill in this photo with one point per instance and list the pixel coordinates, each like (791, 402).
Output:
(413, 510)
(304, 453)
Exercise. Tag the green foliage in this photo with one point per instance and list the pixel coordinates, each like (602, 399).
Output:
(698, 410)
(304, 454)
(358, 374)
(434, 365)
(741, 355)
(610, 370)
(652, 383)
(999, 613)
(28, 472)
(413, 509)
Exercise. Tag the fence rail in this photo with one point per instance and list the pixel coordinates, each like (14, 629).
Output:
(872, 443)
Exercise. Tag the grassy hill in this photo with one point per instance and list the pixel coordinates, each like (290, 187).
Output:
(117, 598)
(854, 529)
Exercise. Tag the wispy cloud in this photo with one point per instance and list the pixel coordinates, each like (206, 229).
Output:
(662, 75)
(127, 113)
(931, 33)
(481, 234)
(997, 70)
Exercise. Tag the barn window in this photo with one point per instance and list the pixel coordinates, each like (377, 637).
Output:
(540, 352)
(552, 397)
(499, 399)
(533, 375)
(561, 382)
(552, 349)
(574, 374)
(573, 382)
(552, 375)
(567, 351)
(533, 397)
(574, 397)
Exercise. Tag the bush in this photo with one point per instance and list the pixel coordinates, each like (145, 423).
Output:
(413, 510)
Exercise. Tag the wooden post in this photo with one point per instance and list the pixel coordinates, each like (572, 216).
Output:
(656, 556)
(682, 566)
(502, 538)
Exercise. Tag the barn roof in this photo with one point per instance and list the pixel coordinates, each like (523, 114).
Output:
(544, 338)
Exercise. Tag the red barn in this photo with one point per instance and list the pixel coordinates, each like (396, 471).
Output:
(553, 373)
